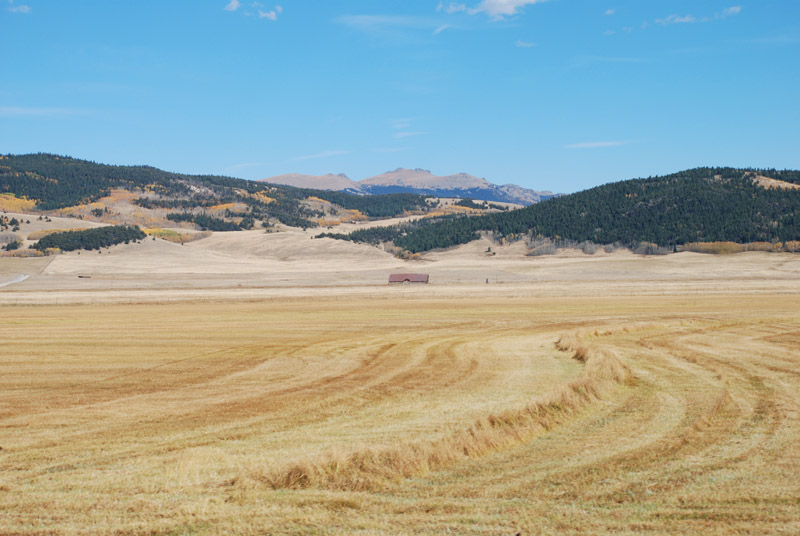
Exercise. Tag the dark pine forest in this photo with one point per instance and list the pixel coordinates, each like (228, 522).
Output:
(697, 205)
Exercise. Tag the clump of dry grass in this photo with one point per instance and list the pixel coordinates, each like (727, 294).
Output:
(728, 248)
(41, 233)
(372, 468)
(29, 253)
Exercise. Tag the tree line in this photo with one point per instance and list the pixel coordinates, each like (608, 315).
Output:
(95, 238)
(697, 205)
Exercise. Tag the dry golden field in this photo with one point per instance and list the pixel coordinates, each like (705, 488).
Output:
(377, 415)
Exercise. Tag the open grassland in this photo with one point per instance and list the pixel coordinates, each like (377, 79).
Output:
(671, 415)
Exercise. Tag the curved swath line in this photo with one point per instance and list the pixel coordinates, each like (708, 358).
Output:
(422, 364)
(758, 414)
(363, 469)
(376, 385)
(721, 423)
(394, 369)
(642, 406)
(368, 380)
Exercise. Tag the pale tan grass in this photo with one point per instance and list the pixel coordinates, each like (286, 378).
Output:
(369, 468)
(415, 416)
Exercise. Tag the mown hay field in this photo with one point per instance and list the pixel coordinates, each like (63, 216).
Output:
(666, 415)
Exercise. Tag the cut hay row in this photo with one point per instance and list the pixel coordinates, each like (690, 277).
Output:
(176, 424)
(372, 468)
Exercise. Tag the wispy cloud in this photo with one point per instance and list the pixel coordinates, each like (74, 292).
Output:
(397, 28)
(691, 19)
(495, 9)
(255, 8)
(271, 15)
(21, 9)
(728, 12)
(323, 154)
(498, 9)
(595, 144)
(233, 5)
(523, 44)
(452, 7)
(403, 128)
(21, 111)
(389, 149)
(407, 134)
(399, 124)
(677, 19)
(609, 12)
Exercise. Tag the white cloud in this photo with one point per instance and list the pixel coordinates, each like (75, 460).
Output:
(609, 12)
(405, 134)
(609, 32)
(733, 10)
(254, 9)
(677, 19)
(452, 7)
(523, 44)
(22, 9)
(690, 19)
(595, 144)
(440, 29)
(271, 15)
(497, 9)
(323, 154)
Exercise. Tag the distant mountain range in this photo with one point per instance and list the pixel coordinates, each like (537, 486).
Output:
(418, 181)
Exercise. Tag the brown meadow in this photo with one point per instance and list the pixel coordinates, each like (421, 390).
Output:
(421, 416)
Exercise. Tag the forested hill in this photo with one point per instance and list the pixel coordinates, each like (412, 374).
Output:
(57, 181)
(698, 205)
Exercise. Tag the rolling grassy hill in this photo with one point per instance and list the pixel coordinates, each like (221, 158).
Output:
(55, 182)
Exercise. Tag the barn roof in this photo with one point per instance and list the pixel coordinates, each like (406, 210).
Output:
(411, 278)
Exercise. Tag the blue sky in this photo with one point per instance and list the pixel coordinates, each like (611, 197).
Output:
(559, 94)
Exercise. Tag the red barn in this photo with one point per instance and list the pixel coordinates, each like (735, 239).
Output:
(408, 278)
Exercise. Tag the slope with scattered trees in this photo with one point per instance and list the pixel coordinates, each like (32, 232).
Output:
(56, 182)
(698, 205)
